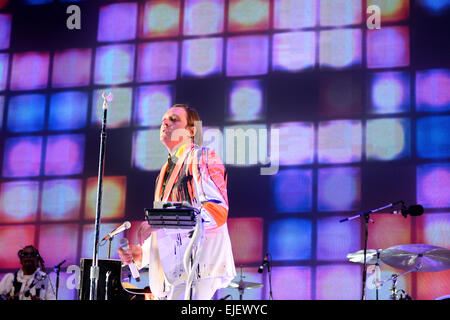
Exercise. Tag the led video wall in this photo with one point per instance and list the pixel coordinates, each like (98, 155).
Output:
(359, 121)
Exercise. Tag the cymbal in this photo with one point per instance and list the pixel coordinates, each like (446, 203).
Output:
(245, 285)
(425, 258)
(358, 256)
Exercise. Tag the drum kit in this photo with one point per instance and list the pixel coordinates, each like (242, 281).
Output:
(408, 257)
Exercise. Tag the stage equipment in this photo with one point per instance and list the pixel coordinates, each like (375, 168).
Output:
(94, 271)
(110, 285)
(366, 216)
(243, 285)
(57, 270)
(181, 217)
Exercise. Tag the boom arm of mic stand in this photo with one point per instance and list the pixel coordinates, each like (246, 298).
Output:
(366, 216)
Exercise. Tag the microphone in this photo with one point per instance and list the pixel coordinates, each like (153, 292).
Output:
(126, 225)
(413, 210)
(134, 271)
(264, 263)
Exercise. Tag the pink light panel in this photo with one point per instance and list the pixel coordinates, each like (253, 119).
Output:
(30, 70)
(22, 157)
(12, 241)
(388, 47)
(71, 68)
(157, 61)
(243, 59)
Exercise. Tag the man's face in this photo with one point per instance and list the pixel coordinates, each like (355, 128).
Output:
(28, 259)
(174, 129)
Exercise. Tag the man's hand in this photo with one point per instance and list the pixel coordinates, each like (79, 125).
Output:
(134, 253)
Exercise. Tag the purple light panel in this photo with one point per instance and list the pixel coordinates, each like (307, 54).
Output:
(433, 229)
(26, 113)
(290, 239)
(12, 241)
(340, 141)
(432, 90)
(202, 17)
(22, 157)
(59, 242)
(246, 15)
(340, 48)
(108, 27)
(152, 103)
(292, 190)
(64, 154)
(246, 236)
(114, 64)
(30, 71)
(290, 283)
(161, 18)
(157, 61)
(335, 240)
(243, 59)
(68, 110)
(4, 62)
(388, 47)
(339, 189)
(202, 57)
(294, 51)
(433, 185)
(294, 14)
(121, 106)
(2, 108)
(72, 68)
(435, 7)
(340, 12)
(390, 92)
(388, 139)
(338, 282)
(19, 201)
(5, 26)
(148, 152)
(61, 200)
(295, 144)
(246, 102)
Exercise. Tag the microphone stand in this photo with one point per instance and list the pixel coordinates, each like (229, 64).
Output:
(57, 269)
(366, 216)
(270, 277)
(109, 247)
(94, 271)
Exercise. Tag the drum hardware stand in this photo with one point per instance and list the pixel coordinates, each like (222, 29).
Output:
(366, 216)
(394, 278)
(94, 271)
(57, 270)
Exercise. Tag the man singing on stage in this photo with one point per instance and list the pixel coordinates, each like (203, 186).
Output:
(197, 176)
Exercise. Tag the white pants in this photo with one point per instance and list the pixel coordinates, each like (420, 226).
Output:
(202, 289)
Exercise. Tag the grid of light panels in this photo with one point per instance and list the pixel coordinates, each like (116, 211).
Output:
(373, 113)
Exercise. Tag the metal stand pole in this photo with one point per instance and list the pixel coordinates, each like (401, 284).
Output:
(94, 272)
